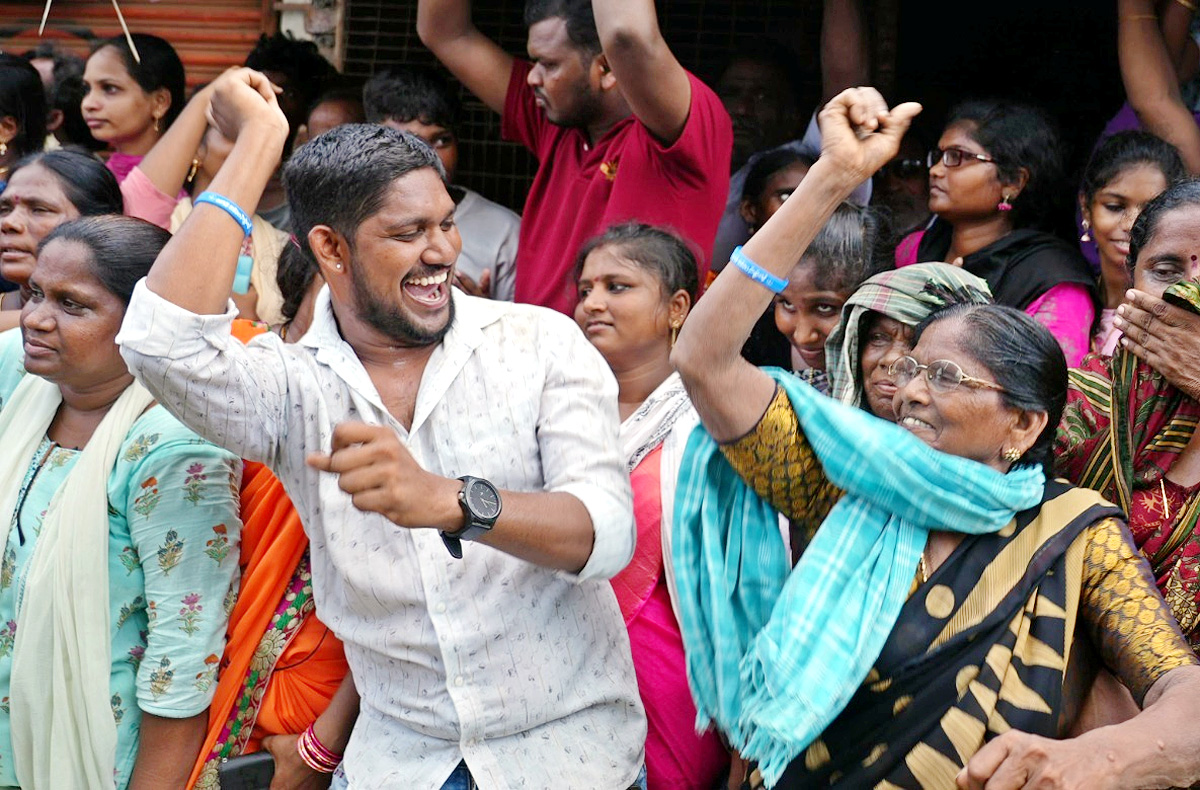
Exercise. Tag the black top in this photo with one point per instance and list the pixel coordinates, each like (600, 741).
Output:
(1018, 267)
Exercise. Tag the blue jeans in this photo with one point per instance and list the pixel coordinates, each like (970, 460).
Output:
(459, 780)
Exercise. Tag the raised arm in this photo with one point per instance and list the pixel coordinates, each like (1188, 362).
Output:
(445, 27)
(845, 56)
(729, 393)
(1150, 81)
(653, 83)
(195, 270)
(168, 162)
(1175, 22)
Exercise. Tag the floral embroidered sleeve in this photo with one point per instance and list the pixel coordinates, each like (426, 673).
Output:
(182, 509)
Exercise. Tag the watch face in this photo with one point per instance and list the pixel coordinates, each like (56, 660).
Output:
(483, 499)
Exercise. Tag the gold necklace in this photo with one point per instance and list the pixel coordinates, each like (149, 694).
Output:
(924, 568)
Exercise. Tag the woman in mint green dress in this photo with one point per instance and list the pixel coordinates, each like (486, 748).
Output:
(119, 563)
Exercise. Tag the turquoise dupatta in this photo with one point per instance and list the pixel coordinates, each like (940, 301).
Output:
(774, 654)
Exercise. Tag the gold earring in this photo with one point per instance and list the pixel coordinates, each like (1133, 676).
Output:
(1087, 226)
(157, 121)
(191, 176)
(674, 333)
(1012, 454)
(3, 149)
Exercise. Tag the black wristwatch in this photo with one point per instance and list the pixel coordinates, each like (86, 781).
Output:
(480, 503)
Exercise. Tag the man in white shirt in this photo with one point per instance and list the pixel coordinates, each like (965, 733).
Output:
(512, 663)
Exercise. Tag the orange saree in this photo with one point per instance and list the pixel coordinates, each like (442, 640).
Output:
(281, 664)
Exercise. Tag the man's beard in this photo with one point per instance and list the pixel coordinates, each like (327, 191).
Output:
(391, 320)
(586, 110)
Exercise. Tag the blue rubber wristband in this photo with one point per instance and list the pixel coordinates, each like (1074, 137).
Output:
(229, 207)
(241, 279)
(756, 272)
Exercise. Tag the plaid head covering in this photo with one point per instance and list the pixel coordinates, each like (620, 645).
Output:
(908, 295)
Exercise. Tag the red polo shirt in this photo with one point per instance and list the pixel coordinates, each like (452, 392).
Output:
(580, 190)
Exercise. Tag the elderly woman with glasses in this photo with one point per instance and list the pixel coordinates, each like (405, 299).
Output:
(992, 181)
(952, 604)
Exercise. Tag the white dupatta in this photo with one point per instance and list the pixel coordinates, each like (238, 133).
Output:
(665, 418)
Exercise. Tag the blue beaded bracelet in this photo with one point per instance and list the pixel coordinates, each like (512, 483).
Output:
(756, 272)
(230, 208)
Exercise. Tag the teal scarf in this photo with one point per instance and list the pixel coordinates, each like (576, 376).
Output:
(773, 655)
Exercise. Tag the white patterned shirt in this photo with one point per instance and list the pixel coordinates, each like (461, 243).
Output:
(522, 671)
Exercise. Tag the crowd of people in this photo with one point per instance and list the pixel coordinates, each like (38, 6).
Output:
(769, 446)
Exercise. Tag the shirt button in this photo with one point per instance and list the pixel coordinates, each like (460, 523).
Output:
(440, 608)
(458, 681)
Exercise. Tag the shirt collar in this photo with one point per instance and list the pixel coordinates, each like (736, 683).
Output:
(471, 316)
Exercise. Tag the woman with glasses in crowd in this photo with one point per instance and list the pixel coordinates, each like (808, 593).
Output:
(992, 182)
(877, 327)
(936, 628)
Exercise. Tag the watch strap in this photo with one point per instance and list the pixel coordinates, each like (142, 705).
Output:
(453, 540)
(473, 526)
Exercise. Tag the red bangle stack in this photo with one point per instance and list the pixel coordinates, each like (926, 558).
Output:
(315, 755)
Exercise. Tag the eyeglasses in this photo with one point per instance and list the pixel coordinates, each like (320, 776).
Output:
(942, 375)
(953, 157)
(905, 169)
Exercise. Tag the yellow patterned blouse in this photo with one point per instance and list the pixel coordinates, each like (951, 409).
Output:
(1120, 609)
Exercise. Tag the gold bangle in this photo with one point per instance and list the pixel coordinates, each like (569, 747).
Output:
(1188, 4)
(1141, 16)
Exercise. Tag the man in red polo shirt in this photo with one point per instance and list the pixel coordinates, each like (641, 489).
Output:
(621, 129)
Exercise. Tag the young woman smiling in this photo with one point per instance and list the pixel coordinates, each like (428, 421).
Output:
(1125, 172)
